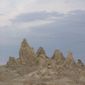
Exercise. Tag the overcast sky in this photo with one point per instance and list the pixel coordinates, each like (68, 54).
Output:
(48, 23)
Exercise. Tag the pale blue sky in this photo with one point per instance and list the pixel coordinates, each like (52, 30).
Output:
(48, 23)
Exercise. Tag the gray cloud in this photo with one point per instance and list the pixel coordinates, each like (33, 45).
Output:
(36, 16)
(12, 8)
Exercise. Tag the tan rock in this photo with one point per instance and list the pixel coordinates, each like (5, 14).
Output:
(12, 61)
(80, 63)
(26, 53)
(70, 59)
(41, 56)
(47, 73)
(41, 51)
(58, 56)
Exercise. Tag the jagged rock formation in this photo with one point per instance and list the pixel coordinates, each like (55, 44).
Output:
(58, 57)
(40, 52)
(26, 53)
(41, 57)
(38, 69)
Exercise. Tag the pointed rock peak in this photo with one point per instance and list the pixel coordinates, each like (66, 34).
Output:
(80, 63)
(58, 56)
(24, 43)
(24, 40)
(70, 58)
(41, 51)
(41, 58)
(26, 53)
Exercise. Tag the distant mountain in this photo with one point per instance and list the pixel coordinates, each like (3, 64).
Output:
(36, 68)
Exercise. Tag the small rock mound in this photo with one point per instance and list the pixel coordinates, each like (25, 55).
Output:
(80, 63)
(12, 61)
(58, 57)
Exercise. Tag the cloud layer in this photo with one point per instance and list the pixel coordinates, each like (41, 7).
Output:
(9, 9)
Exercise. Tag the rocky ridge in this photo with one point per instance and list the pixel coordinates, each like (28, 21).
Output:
(36, 68)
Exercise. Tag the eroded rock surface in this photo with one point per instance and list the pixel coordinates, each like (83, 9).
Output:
(41, 57)
(58, 57)
(38, 69)
(26, 53)
(70, 59)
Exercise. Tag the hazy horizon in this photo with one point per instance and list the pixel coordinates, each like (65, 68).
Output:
(50, 24)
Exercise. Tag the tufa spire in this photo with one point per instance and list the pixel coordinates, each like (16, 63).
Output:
(26, 53)
(41, 51)
(70, 59)
(58, 56)
(41, 57)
